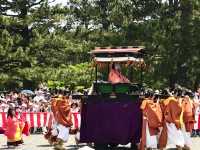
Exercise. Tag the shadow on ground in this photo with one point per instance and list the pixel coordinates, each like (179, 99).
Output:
(72, 147)
(84, 147)
(46, 145)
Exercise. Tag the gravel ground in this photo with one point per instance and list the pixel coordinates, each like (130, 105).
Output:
(37, 142)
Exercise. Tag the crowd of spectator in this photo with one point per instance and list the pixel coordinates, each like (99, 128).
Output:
(25, 102)
(37, 101)
(33, 101)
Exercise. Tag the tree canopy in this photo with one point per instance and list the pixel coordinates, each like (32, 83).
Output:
(45, 43)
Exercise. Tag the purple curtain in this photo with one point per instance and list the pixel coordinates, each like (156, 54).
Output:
(111, 122)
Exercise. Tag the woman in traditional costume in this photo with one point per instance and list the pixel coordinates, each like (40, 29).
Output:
(14, 128)
(115, 76)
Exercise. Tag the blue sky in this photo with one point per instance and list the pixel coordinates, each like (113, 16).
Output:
(60, 1)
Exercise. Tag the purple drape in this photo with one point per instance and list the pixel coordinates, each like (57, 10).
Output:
(111, 122)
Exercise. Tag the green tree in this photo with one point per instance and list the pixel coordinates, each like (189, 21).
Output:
(42, 42)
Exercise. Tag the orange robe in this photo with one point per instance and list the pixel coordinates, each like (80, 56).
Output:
(163, 136)
(172, 112)
(188, 114)
(61, 110)
(152, 115)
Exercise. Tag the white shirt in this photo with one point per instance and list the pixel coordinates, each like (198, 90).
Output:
(38, 98)
(4, 107)
(36, 108)
(197, 100)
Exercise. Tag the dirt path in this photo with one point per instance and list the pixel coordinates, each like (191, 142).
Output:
(37, 142)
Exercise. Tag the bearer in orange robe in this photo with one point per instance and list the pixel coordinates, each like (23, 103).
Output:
(14, 128)
(61, 109)
(188, 107)
(172, 135)
(152, 121)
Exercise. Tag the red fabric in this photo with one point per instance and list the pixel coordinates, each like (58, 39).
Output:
(4, 120)
(12, 124)
(26, 128)
(76, 120)
(45, 117)
(23, 117)
(17, 114)
(38, 121)
(199, 122)
(32, 119)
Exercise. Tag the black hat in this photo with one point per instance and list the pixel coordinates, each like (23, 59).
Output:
(74, 104)
(149, 92)
(189, 93)
(165, 92)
